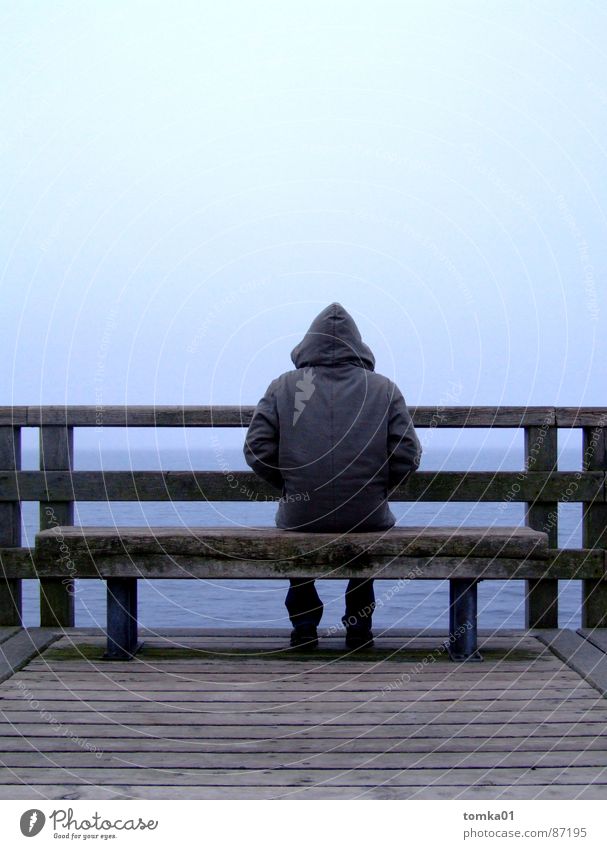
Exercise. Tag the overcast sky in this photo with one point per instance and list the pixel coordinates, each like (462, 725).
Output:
(185, 185)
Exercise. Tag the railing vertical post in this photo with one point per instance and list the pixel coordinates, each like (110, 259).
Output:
(10, 526)
(541, 596)
(56, 594)
(594, 528)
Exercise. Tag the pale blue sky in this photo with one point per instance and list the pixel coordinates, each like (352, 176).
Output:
(185, 185)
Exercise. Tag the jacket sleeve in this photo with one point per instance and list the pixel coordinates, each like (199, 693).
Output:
(404, 448)
(262, 439)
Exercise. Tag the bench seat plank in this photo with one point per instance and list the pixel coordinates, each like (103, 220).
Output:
(275, 544)
(175, 566)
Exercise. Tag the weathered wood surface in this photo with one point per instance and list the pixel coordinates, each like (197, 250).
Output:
(8, 631)
(17, 562)
(596, 636)
(410, 568)
(21, 646)
(594, 528)
(541, 596)
(498, 743)
(270, 543)
(239, 486)
(581, 416)
(344, 777)
(580, 654)
(479, 791)
(408, 553)
(240, 416)
(10, 527)
(560, 563)
(234, 728)
(56, 595)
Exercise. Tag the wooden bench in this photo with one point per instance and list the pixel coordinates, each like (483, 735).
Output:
(464, 556)
(538, 486)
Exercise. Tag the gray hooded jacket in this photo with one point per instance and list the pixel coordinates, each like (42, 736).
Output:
(333, 436)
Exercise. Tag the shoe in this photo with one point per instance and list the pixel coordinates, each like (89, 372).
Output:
(304, 637)
(359, 638)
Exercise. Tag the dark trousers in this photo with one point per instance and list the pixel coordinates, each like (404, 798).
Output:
(305, 606)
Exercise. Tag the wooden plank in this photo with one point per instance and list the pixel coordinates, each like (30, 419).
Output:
(13, 417)
(330, 669)
(57, 594)
(330, 638)
(280, 693)
(437, 731)
(204, 685)
(497, 744)
(506, 776)
(378, 703)
(16, 562)
(134, 415)
(297, 664)
(175, 566)
(566, 564)
(403, 649)
(246, 651)
(309, 682)
(329, 649)
(240, 416)
(581, 416)
(417, 633)
(481, 416)
(511, 637)
(214, 486)
(269, 633)
(293, 668)
(10, 528)
(541, 595)
(95, 552)
(596, 636)
(363, 715)
(579, 654)
(236, 416)
(480, 792)
(218, 552)
(594, 528)
(188, 690)
(263, 542)
(90, 758)
(385, 686)
(6, 632)
(21, 647)
(88, 415)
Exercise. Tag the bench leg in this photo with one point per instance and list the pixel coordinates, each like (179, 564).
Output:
(121, 619)
(462, 643)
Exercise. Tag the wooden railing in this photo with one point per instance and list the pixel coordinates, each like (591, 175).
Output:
(539, 484)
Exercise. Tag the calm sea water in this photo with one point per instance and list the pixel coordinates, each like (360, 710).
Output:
(230, 604)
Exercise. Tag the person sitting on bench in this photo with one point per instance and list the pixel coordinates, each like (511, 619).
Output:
(334, 437)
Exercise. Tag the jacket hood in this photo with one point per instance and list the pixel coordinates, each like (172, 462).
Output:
(333, 339)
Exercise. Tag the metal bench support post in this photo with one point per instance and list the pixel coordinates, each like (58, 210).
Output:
(121, 619)
(462, 643)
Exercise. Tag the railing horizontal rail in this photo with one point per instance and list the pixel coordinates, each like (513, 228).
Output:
(53, 486)
(240, 416)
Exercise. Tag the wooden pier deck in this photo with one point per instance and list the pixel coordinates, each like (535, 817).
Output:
(233, 714)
